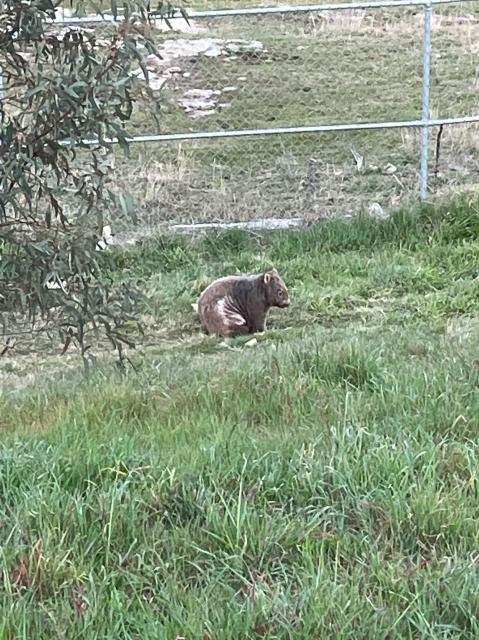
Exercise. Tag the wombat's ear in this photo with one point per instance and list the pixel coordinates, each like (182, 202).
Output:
(267, 278)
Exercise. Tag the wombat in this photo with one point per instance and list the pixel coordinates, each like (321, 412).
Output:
(237, 305)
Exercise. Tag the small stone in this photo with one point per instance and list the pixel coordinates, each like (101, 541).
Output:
(199, 113)
(251, 343)
(241, 46)
(390, 169)
(376, 211)
(200, 94)
(199, 102)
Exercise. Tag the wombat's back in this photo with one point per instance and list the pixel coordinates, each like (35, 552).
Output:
(218, 309)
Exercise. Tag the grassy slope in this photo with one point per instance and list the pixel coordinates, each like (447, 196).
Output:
(322, 484)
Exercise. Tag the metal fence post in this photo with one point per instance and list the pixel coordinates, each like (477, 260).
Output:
(2, 178)
(426, 85)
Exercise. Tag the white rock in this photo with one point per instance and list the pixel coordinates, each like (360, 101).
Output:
(376, 211)
(54, 283)
(242, 46)
(197, 103)
(161, 67)
(181, 48)
(200, 102)
(106, 238)
(201, 94)
(200, 113)
(390, 169)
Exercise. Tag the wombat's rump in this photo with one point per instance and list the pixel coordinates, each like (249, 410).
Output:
(238, 305)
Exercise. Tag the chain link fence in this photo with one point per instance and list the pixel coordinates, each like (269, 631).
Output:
(287, 69)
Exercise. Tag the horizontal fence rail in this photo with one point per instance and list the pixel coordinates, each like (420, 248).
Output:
(260, 11)
(321, 128)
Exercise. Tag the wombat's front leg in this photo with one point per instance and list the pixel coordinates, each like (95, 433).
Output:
(259, 326)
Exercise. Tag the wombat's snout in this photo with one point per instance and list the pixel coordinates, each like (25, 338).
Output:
(285, 303)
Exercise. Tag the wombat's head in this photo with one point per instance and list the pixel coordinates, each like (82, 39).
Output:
(276, 290)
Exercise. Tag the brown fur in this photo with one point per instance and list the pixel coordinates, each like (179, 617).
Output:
(238, 305)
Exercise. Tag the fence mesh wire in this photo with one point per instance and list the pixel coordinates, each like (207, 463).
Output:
(300, 69)
(295, 69)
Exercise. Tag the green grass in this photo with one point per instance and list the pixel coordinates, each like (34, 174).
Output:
(322, 484)
(416, 271)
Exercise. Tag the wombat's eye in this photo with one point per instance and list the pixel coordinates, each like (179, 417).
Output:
(280, 293)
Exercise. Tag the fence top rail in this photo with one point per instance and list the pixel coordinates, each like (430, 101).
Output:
(215, 13)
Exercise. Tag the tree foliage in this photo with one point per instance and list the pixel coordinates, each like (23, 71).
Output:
(64, 86)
